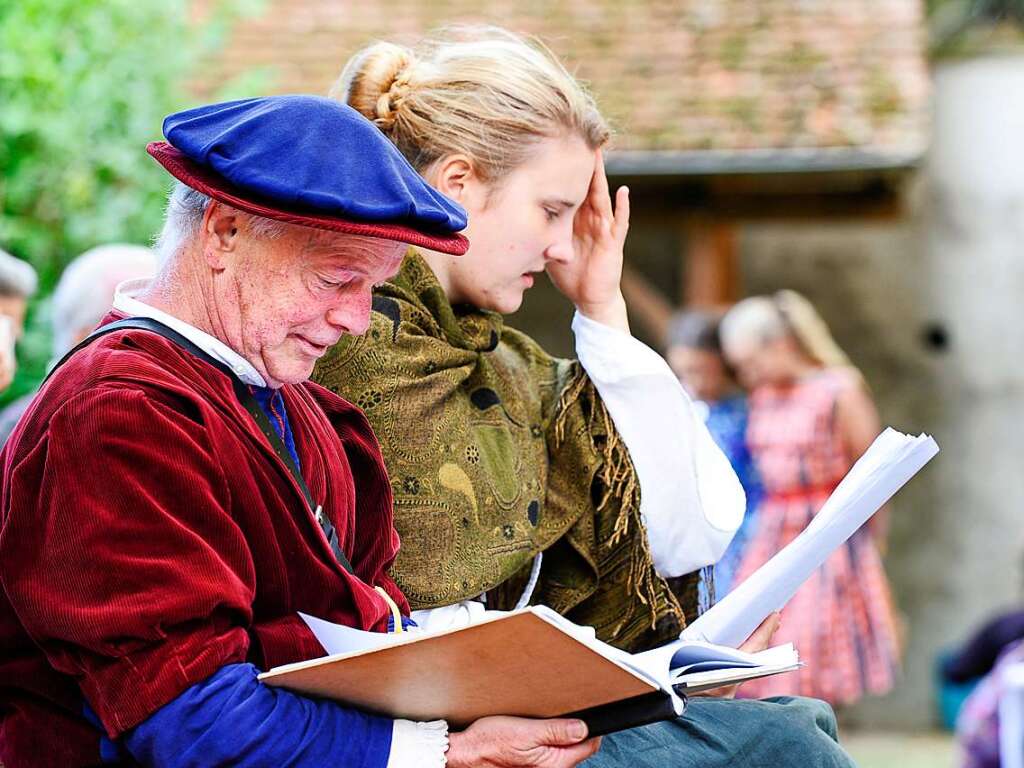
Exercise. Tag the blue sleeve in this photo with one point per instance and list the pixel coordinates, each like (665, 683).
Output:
(232, 719)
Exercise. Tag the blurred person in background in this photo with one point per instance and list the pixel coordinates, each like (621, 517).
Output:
(694, 352)
(977, 727)
(18, 282)
(83, 296)
(811, 418)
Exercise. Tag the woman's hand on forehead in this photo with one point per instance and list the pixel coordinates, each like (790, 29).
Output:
(591, 280)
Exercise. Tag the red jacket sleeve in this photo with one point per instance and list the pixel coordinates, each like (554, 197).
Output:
(120, 556)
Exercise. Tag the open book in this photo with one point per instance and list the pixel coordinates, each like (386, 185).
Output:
(534, 663)
(529, 663)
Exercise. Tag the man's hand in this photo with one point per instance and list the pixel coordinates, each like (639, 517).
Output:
(760, 640)
(516, 742)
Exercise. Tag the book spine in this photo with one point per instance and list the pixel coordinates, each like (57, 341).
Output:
(629, 713)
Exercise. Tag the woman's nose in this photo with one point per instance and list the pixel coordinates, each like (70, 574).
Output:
(560, 251)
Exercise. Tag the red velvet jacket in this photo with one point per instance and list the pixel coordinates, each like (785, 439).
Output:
(149, 536)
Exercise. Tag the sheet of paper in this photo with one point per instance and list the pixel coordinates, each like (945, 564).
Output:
(884, 468)
(336, 638)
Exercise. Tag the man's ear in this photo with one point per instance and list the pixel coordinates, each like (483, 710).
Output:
(220, 234)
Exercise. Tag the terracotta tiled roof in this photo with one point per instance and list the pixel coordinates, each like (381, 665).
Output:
(672, 74)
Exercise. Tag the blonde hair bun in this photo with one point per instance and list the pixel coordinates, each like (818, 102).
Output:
(475, 90)
(376, 81)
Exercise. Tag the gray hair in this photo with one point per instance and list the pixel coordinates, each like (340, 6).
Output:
(86, 289)
(17, 277)
(184, 215)
(694, 329)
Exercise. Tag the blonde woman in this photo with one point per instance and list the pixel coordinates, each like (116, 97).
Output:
(520, 478)
(811, 417)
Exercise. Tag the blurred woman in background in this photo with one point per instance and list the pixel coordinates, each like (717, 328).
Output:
(694, 352)
(811, 418)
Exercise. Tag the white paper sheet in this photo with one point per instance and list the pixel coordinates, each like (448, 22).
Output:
(337, 638)
(884, 468)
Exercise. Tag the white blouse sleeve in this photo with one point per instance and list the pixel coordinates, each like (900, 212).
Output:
(418, 745)
(690, 498)
(451, 616)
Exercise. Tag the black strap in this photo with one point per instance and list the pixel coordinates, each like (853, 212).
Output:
(245, 397)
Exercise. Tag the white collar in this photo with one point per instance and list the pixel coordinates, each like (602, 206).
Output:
(125, 301)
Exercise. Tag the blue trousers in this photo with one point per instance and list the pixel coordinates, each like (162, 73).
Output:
(732, 733)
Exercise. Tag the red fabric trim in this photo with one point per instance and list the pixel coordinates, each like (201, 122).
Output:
(203, 180)
(803, 493)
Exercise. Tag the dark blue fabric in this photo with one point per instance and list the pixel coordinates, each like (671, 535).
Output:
(407, 623)
(727, 423)
(314, 154)
(272, 404)
(232, 719)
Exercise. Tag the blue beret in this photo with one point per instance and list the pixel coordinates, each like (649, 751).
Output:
(311, 161)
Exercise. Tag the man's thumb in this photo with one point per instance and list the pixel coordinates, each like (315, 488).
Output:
(565, 732)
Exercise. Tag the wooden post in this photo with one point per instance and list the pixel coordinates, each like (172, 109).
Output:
(649, 306)
(711, 262)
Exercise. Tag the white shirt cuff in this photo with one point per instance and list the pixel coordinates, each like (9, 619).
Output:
(450, 616)
(418, 745)
(690, 498)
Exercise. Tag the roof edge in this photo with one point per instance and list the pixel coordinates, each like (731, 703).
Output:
(715, 162)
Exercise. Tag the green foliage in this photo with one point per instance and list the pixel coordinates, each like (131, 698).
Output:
(84, 85)
(965, 28)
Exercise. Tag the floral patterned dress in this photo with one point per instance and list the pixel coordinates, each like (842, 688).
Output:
(842, 620)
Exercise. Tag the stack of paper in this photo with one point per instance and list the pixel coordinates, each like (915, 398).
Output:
(884, 468)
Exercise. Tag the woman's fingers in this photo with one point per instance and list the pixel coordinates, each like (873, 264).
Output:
(600, 198)
(620, 224)
(762, 636)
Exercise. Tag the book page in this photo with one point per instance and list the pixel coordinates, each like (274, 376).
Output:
(337, 638)
(884, 468)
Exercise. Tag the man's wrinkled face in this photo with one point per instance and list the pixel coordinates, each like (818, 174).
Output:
(297, 295)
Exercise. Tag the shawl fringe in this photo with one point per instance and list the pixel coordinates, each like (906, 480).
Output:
(618, 481)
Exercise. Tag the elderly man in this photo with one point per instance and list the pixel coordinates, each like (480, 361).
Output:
(80, 301)
(177, 492)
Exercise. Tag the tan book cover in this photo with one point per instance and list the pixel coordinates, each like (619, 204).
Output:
(518, 664)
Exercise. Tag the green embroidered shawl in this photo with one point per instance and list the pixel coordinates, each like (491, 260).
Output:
(498, 451)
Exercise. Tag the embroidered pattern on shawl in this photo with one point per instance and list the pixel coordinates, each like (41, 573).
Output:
(498, 451)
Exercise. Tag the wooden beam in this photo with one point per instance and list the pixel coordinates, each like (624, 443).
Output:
(712, 263)
(649, 307)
